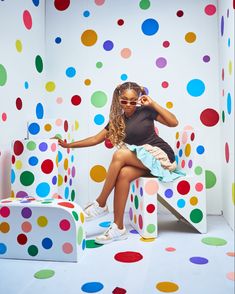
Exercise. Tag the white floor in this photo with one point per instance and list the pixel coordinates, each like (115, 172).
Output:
(164, 268)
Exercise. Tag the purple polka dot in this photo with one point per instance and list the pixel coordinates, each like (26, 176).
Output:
(198, 260)
(222, 26)
(131, 213)
(206, 58)
(161, 62)
(26, 212)
(21, 194)
(43, 146)
(168, 193)
(141, 191)
(70, 182)
(108, 45)
(73, 171)
(54, 180)
(190, 163)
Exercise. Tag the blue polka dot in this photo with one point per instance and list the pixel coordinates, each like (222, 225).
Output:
(83, 244)
(141, 191)
(99, 119)
(124, 77)
(200, 149)
(34, 128)
(58, 40)
(26, 85)
(105, 224)
(54, 180)
(150, 27)
(180, 153)
(70, 72)
(43, 189)
(39, 111)
(60, 156)
(66, 192)
(72, 158)
(92, 287)
(181, 203)
(108, 45)
(229, 103)
(33, 160)
(229, 42)
(133, 188)
(47, 243)
(3, 248)
(177, 159)
(86, 13)
(35, 2)
(168, 193)
(13, 176)
(198, 260)
(195, 87)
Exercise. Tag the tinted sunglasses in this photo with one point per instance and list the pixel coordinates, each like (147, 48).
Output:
(125, 102)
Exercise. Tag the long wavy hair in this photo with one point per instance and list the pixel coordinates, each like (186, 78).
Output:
(116, 133)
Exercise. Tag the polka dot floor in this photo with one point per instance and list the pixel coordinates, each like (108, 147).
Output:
(179, 260)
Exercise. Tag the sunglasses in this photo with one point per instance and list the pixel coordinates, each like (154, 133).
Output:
(132, 103)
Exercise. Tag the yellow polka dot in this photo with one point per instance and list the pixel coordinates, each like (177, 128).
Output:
(98, 173)
(89, 38)
(4, 227)
(190, 37)
(47, 127)
(167, 287)
(230, 67)
(233, 193)
(82, 218)
(76, 125)
(60, 180)
(66, 164)
(193, 200)
(42, 221)
(135, 219)
(50, 86)
(147, 240)
(12, 194)
(18, 164)
(18, 46)
(187, 150)
(87, 82)
(177, 135)
(169, 104)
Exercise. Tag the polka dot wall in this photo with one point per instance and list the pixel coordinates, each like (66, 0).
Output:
(93, 46)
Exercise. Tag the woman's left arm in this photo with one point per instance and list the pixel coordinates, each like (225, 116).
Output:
(164, 116)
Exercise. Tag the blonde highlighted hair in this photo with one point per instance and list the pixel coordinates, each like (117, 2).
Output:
(116, 133)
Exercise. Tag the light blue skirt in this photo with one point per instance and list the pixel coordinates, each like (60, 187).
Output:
(154, 165)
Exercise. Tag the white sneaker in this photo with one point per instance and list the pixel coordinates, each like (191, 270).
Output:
(93, 211)
(112, 234)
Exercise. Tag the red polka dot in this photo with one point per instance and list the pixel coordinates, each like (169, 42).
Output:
(140, 219)
(166, 44)
(13, 159)
(18, 147)
(61, 4)
(65, 225)
(128, 256)
(177, 144)
(19, 103)
(165, 84)
(66, 126)
(76, 100)
(222, 74)
(66, 204)
(150, 208)
(4, 211)
(22, 239)
(227, 152)
(179, 13)
(65, 179)
(192, 137)
(209, 117)
(108, 144)
(118, 290)
(183, 187)
(183, 163)
(47, 166)
(4, 116)
(120, 22)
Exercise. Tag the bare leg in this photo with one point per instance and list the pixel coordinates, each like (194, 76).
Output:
(121, 158)
(126, 175)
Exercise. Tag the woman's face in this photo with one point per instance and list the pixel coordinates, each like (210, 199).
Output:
(128, 101)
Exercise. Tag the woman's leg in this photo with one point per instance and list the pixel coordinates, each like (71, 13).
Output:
(121, 158)
(122, 186)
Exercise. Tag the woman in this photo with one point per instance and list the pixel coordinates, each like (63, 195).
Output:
(141, 152)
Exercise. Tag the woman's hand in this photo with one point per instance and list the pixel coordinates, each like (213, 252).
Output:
(146, 100)
(63, 143)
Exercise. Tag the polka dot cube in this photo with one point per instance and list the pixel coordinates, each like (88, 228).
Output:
(185, 197)
(51, 229)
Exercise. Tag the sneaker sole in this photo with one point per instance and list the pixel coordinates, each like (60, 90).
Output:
(88, 219)
(124, 237)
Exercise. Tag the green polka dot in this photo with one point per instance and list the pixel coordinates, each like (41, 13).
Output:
(72, 195)
(39, 63)
(31, 145)
(33, 250)
(99, 99)
(136, 202)
(223, 116)
(99, 64)
(58, 136)
(213, 241)
(75, 215)
(92, 244)
(210, 179)
(196, 216)
(144, 4)
(3, 75)
(46, 202)
(198, 170)
(44, 274)
(151, 228)
(27, 178)
(80, 235)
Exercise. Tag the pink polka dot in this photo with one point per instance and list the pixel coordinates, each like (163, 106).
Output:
(231, 276)
(151, 187)
(199, 187)
(67, 248)
(140, 222)
(59, 100)
(59, 122)
(227, 152)
(170, 249)
(53, 147)
(183, 163)
(26, 227)
(184, 137)
(165, 84)
(210, 9)
(4, 116)
(4, 211)
(27, 19)
(99, 2)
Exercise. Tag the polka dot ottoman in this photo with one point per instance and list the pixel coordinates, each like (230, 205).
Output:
(51, 229)
(185, 197)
